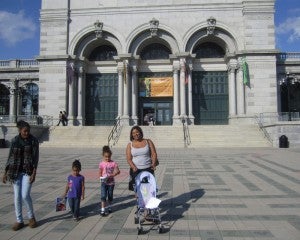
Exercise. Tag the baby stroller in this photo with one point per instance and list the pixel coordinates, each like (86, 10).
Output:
(147, 203)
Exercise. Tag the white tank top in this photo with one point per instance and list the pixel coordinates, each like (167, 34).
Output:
(141, 156)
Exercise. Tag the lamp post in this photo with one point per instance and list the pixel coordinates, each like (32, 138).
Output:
(288, 81)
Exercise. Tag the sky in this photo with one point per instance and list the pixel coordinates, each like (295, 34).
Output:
(20, 31)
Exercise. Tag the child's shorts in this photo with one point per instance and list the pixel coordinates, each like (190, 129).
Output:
(107, 192)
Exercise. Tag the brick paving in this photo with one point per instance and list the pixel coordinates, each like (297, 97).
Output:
(207, 194)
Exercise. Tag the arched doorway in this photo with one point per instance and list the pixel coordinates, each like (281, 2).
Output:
(210, 89)
(101, 96)
(155, 88)
(4, 100)
(30, 99)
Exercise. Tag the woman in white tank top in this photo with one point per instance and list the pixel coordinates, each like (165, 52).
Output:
(141, 154)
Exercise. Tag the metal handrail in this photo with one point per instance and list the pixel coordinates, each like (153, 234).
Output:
(260, 123)
(186, 133)
(115, 133)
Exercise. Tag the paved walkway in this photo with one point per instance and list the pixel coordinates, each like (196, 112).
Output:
(207, 194)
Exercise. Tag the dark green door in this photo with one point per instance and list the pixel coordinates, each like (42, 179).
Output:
(101, 99)
(210, 97)
(161, 110)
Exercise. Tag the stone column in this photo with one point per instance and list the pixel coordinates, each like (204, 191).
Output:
(182, 89)
(176, 119)
(120, 92)
(13, 100)
(190, 95)
(80, 95)
(240, 92)
(125, 117)
(231, 90)
(134, 89)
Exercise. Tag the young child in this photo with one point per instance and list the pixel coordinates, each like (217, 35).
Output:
(108, 169)
(75, 189)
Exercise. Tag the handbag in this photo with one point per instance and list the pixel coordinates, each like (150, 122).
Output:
(156, 160)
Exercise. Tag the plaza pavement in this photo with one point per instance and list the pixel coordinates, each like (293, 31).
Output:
(207, 194)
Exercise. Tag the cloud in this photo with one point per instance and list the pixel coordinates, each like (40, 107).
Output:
(15, 28)
(291, 26)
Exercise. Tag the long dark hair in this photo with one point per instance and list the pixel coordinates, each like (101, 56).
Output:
(137, 128)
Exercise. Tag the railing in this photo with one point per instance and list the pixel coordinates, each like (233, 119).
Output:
(114, 133)
(272, 118)
(284, 56)
(186, 133)
(36, 120)
(25, 63)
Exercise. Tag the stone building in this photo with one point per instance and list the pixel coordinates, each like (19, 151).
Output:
(204, 62)
(171, 59)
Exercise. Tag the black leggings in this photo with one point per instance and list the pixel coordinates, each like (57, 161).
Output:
(132, 176)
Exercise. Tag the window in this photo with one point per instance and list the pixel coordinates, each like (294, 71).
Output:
(30, 99)
(103, 53)
(4, 100)
(209, 50)
(155, 51)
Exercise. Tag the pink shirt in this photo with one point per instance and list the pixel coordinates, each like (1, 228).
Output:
(108, 168)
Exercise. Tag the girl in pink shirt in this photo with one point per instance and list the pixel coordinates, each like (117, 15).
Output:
(108, 169)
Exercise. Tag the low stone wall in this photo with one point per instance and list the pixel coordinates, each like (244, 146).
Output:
(290, 129)
(8, 131)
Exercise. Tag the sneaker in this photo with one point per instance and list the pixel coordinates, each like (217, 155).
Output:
(103, 213)
(32, 223)
(109, 210)
(17, 226)
(76, 219)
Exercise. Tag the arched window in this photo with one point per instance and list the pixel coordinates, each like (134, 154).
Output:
(4, 100)
(30, 99)
(155, 51)
(209, 50)
(103, 53)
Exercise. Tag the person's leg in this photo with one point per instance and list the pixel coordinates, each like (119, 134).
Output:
(110, 194)
(71, 205)
(76, 208)
(103, 198)
(17, 185)
(26, 189)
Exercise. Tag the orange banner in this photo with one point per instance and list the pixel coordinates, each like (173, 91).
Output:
(156, 87)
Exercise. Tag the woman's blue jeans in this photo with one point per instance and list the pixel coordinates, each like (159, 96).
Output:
(22, 188)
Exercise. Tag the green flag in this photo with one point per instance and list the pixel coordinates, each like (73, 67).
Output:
(245, 72)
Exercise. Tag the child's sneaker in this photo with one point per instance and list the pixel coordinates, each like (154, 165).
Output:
(103, 213)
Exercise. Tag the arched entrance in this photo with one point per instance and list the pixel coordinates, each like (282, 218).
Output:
(101, 96)
(210, 89)
(4, 100)
(155, 89)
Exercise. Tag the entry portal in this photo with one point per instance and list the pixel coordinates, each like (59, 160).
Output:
(158, 110)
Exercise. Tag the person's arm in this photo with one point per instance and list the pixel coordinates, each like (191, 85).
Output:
(116, 171)
(66, 190)
(129, 158)
(153, 154)
(4, 177)
(83, 189)
(35, 159)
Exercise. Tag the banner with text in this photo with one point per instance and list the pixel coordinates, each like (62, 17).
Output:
(156, 87)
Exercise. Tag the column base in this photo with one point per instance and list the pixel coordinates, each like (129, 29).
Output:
(125, 120)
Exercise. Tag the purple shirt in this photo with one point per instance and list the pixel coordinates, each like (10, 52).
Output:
(75, 186)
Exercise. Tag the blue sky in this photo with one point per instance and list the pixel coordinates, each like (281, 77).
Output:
(19, 27)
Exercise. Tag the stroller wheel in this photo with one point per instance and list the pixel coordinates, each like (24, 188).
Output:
(136, 220)
(159, 229)
(140, 230)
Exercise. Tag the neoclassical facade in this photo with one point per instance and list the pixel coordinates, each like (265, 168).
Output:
(205, 62)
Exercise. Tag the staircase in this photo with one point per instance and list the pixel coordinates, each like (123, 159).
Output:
(77, 136)
(203, 136)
